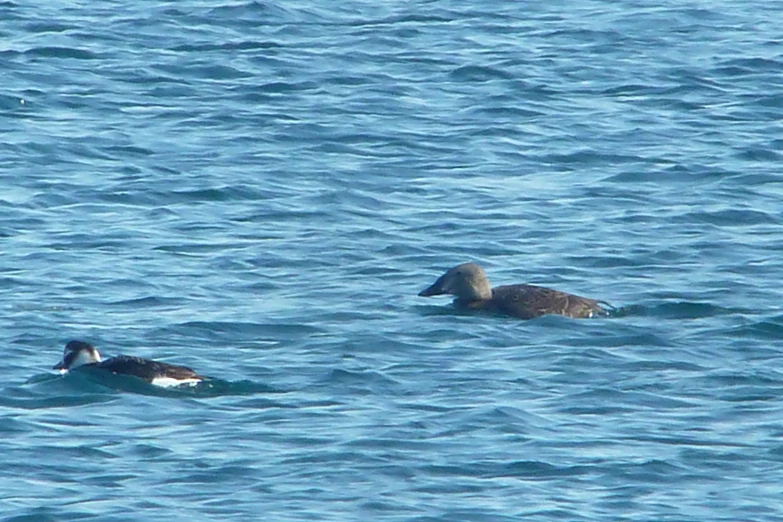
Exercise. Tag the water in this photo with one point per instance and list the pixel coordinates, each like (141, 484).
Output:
(260, 190)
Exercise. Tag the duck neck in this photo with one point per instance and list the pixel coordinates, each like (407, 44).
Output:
(462, 302)
(481, 291)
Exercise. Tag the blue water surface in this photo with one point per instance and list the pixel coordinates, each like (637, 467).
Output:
(259, 190)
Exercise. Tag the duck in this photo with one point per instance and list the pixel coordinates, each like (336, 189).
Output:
(79, 354)
(470, 285)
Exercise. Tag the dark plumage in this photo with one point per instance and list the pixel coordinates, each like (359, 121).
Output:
(471, 287)
(79, 353)
(146, 369)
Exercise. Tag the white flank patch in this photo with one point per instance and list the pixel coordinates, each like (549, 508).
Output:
(168, 382)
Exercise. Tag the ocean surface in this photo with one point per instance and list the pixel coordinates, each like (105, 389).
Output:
(259, 190)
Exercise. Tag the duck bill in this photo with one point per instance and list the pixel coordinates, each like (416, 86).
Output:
(435, 289)
(60, 366)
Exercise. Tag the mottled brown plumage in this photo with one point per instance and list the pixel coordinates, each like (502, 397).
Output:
(471, 287)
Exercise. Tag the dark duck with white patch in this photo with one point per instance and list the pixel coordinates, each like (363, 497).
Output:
(471, 287)
(79, 353)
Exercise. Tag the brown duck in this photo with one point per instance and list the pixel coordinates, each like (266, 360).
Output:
(471, 286)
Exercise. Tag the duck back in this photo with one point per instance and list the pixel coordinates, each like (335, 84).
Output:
(529, 301)
(146, 369)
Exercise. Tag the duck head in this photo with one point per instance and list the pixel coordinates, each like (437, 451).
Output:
(466, 281)
(77, 353)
